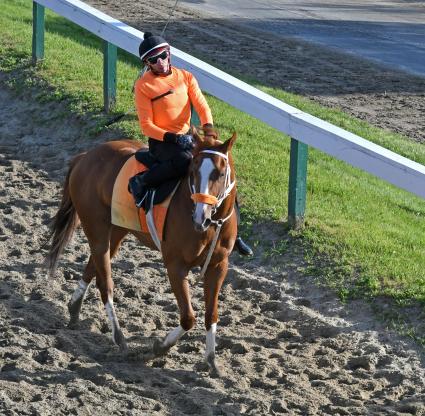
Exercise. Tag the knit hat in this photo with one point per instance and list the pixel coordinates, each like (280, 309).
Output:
(150, 43)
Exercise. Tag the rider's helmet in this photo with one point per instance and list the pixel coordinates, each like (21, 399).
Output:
(151, 45)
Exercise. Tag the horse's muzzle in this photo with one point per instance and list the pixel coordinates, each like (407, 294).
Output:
(201, 227)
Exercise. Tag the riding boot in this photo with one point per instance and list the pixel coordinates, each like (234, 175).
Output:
(137, 186)
(243, 248)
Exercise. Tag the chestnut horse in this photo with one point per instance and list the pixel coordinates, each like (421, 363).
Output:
(203, 201)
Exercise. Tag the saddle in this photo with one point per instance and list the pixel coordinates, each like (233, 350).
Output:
(124, 212)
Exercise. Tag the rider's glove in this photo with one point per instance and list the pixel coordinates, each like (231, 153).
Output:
(184, 141)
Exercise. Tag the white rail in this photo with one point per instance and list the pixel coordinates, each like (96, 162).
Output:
(317, 133)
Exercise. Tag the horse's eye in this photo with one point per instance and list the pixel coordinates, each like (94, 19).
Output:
(215, 174)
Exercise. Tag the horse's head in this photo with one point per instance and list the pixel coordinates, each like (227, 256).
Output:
(211, 178)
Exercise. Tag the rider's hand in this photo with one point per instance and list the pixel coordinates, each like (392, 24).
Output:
(185, 141)
(209, 131)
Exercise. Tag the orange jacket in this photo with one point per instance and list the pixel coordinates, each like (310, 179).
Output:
(163, 103)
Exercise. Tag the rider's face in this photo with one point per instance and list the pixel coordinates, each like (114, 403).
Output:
(159, 62)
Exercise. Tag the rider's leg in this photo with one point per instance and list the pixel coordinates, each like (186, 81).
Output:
(171, 162)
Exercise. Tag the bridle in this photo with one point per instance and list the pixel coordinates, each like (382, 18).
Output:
(215, 201)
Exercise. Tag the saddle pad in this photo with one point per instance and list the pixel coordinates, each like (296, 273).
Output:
(124, 212)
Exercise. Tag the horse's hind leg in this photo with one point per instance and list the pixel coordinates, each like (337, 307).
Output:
(74, 305)
(180, 286)
(102, 251)
(117, 234)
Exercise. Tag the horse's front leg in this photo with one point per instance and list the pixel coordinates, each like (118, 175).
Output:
(214, 278)
(178, 279)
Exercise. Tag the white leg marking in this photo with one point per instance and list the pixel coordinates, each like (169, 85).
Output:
(174, 336)
(80, 291)
(110, 310)
(205, 170)
(210, 340)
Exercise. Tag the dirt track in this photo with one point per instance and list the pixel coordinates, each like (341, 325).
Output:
(287, 347)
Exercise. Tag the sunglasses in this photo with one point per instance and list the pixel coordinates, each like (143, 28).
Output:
(154, 59)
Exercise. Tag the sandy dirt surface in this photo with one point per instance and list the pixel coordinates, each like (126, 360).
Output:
(286, 346)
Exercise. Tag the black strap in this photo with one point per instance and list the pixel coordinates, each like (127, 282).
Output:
(162, 95)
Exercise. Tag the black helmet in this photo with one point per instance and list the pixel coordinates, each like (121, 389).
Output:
(150, 43)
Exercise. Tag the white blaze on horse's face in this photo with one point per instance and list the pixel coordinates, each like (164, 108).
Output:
(202, 213)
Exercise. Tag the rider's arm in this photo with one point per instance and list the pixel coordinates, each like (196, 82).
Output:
(145, 114)
(198, 101)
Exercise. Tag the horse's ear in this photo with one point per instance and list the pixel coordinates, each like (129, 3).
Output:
(228, 144)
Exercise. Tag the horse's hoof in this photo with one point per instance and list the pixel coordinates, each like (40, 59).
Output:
(123, 348)
(75, 307)
(74, 318)
(215, 370)
(119, 340)
(159, 349)
(73, 321)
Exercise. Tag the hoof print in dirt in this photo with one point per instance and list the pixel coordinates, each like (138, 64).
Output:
(365, 362)
(159, 363)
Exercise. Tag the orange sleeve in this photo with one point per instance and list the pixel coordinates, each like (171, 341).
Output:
(198, 101)
(145, 115)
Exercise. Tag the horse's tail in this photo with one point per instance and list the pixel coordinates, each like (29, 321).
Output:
(63, 223)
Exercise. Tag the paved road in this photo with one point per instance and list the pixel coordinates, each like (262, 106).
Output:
(390, 32)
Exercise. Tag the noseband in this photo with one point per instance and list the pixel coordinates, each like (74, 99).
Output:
(208, 199)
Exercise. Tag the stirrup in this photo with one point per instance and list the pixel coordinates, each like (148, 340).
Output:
(139, 202)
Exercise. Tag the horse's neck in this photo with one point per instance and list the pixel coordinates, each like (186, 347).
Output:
(185, 193)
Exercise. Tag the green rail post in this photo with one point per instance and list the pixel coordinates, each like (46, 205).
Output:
(109, 75)
(37, 31)
(194, 119)
(297, 184)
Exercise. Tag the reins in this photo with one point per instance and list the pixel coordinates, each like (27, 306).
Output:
(216, 201)
(219, 223)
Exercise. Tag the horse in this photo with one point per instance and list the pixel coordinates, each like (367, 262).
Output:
(200, 230)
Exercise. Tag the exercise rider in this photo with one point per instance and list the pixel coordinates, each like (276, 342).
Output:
(164, 95)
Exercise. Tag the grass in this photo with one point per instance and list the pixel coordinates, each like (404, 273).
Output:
(363, 237)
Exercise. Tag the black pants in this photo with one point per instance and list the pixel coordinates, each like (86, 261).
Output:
(172, 162)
